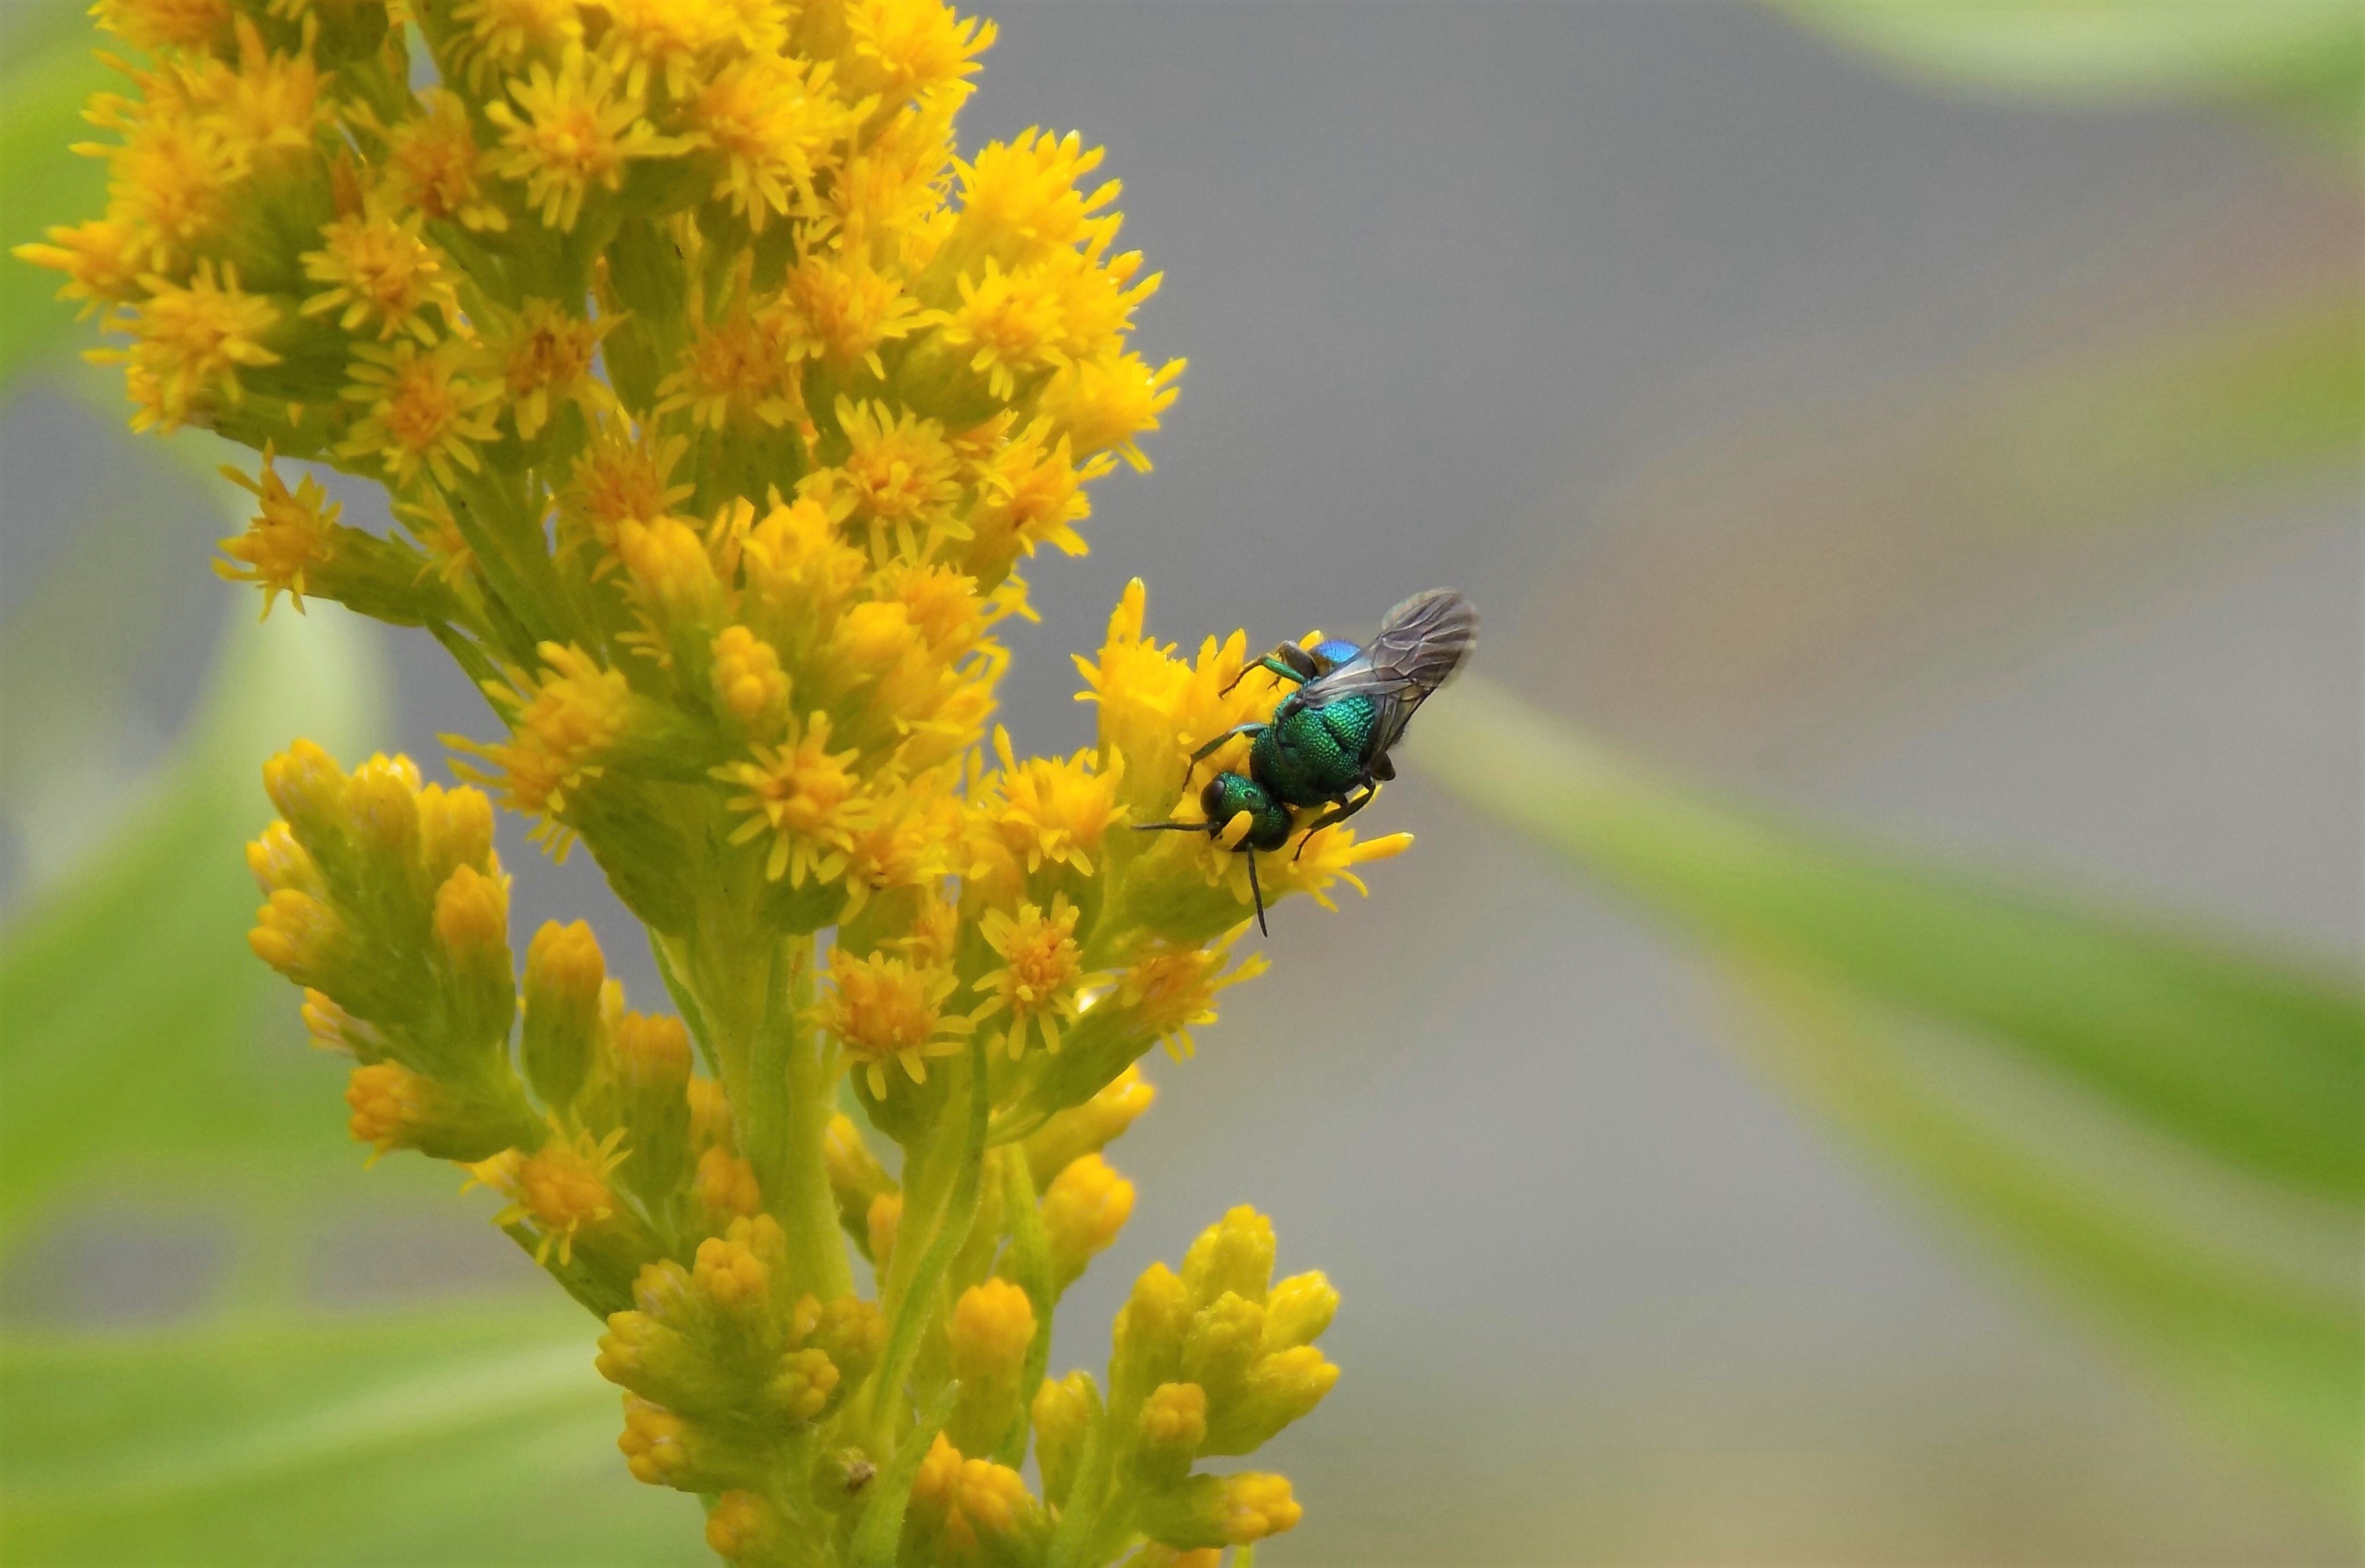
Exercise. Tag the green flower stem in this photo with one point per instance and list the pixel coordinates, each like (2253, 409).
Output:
(909, 1315)
(1071, 1544)
(881, 1529)
(1030, 1256)
(796, 1178)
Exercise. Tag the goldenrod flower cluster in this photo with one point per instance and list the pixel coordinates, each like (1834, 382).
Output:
(720, 400)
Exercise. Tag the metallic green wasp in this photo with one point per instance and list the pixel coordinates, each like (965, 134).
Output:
(1326, 748)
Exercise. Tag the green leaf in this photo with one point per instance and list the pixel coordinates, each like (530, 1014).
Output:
(2165, 1125)
(2264, 395)
(2260, 1333)
(143, 1037)
(2258, 1062)
(50, 75)
(476, 1434)
(2299, 56)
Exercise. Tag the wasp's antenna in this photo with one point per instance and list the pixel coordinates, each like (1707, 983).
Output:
(1256, 893)
(1170, 827)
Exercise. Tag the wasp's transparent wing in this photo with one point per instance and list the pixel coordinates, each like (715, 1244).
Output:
(1422, 642)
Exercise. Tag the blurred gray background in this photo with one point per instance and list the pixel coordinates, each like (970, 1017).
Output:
(1641, 323)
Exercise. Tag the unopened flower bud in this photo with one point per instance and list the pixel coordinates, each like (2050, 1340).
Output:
(308, 788)
(1297, 1311)
(749, 684)
(730, 1274)
(394, 1107)
(710, 1116)
(1173, 1425)
(993, 1324)
(1235, 1255)
(650, 1067)
(456, 829)
(304, 940)
(799, 1391)
(472, 931)
(1221, 1510)
(726, 1187)
(1087, 1128)
(1082, 1212)
(1148, 1336)
(664, 1449)
(1226, 1338)
(1277, 1390)
(563, 973)
(1061, 1414)
(744, 1530)
(381, 811)
(278, 861)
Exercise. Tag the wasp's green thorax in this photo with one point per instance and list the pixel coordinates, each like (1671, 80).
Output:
(1309, 754)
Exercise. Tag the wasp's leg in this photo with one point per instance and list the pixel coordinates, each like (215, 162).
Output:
(1234, 733)
(1290, 662)
(1256, 892)
(1338, 813)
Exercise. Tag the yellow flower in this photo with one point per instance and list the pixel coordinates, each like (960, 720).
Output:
(852, 309)
(1325, 858)
(885, 1009)
(503, 34)
(624, 473)
(546, 355)
(432, 164)
(571, 130)
(1105, 402)
(166, 24)
(771, 120)
(1031, 492)
(561, 1189)
(903, 49)
(902, 475)
(1020, 198)
(805, 796)
(742, 367)
(1170, 991)
(1042, 970)
(429, 519)
(378, 268)
(566, 721)
(668, 39)
(426, 411)
(103, 260)
(291, 534)
(190, 345)
(1012, 322)
(1054, 810)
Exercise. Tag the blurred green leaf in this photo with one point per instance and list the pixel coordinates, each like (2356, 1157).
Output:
(2261, 1064)
(2271, 1350)
(2267, 395)
(141, 1037)
(476, 1434)
(2306, 57)
(51, 70)
(2177, 1135)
